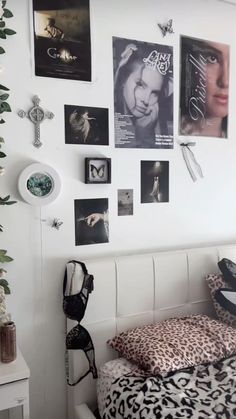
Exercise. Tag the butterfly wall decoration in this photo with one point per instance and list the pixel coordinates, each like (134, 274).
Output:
(97, 170)
(166, 27)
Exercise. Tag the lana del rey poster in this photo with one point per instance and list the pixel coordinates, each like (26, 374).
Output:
(62, 42)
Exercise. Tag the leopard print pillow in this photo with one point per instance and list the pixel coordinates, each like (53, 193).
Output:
(176, 343)
(215, 282)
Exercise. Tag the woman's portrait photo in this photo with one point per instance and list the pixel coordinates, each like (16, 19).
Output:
(143, 94)
(86, 125)
(91, 221)
(154, 181)
(204, 89)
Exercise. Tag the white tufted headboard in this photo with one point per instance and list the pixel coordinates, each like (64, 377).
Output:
(135, 290)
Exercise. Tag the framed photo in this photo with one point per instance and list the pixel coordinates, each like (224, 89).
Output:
(97, 170)
(154, 181)
(39, 184)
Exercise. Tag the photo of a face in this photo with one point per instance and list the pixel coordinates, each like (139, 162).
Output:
(204, 88)
(154, 181)
(141, 92)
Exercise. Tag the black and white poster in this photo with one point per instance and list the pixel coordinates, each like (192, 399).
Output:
(154, 181)
(125, 202)
(62, 44)
(143, 94)
(91, 221)
(86, 125)
(204, 89)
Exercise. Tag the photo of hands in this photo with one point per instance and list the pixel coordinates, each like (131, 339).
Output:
(91, 221)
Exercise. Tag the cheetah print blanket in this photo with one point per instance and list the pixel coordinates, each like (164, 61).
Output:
(201, 392)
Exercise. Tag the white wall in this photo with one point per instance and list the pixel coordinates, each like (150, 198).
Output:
(198, 213)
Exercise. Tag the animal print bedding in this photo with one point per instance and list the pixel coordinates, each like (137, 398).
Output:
(205, 391)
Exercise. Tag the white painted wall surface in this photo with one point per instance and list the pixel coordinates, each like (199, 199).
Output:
(198, 213)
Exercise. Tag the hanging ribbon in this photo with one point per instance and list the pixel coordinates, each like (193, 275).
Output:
(188, 156)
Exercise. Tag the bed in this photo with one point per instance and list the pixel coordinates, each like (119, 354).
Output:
(135, 290)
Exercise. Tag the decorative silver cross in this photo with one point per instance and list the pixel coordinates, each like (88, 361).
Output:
(36, 115)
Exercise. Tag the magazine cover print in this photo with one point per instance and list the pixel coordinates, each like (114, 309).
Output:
(143, 94)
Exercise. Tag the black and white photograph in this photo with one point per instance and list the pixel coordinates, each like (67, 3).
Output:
(125, 202)
(97, 170)
(91, 221)
(62, 42)
(86, 125)
(154, 181)
(204, 89)
(143, 94)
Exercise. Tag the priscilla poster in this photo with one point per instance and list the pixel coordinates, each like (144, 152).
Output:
(143, 94)
(204, 89)
(62, 43)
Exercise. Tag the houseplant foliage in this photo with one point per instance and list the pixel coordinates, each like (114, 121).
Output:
(5, 31)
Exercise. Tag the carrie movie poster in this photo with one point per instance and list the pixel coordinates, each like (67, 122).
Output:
(143, 94)
(62, 43)
(204, 89)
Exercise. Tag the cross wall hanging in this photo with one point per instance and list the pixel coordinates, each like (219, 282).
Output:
(36, 114)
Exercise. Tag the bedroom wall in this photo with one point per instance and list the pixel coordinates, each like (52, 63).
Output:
(200, 213)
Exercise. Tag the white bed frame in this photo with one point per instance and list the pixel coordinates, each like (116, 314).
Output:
(135, 290)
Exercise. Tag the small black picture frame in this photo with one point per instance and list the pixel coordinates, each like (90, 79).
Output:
(97, 170)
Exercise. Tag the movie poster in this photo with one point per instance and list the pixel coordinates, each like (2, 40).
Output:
(143, 94)
(91, 221)
(204, 88)
(154, 181)
(86, 125)
(62, 45)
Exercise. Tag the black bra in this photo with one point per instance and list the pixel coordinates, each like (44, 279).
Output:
(74, 306)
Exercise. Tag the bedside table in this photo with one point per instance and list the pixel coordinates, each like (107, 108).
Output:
(14, 385)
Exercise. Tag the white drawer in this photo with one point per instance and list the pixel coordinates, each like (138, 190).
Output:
(14, 394)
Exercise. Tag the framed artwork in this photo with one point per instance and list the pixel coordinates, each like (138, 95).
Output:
(154, 181)
(91, 221)
(39, 184)
(143, 94)
(86, 125)
(97, 170)
(204, 88)
(62, 41)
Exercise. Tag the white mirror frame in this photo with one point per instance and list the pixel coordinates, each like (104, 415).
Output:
(25, 192)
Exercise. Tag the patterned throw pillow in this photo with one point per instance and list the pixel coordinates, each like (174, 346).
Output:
(215, 283)
(176, 343)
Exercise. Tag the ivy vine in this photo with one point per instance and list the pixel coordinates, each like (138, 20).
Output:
(4, 107)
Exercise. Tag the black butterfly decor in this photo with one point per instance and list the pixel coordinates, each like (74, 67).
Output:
(166, 27)
(97, 172)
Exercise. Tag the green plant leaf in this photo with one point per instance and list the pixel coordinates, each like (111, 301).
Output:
(4, 96)
(4, 2)
(2, 121)
(2, 34)
(2, 24)
(5, 107)
(4, 88)
(5, 285)
(2, 140)
(3, 252)
(2, 50)
(8, 31)
(10, 203)
(7, 13)
(2, 155)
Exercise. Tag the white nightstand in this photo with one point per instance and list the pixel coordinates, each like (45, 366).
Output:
(14, 385)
